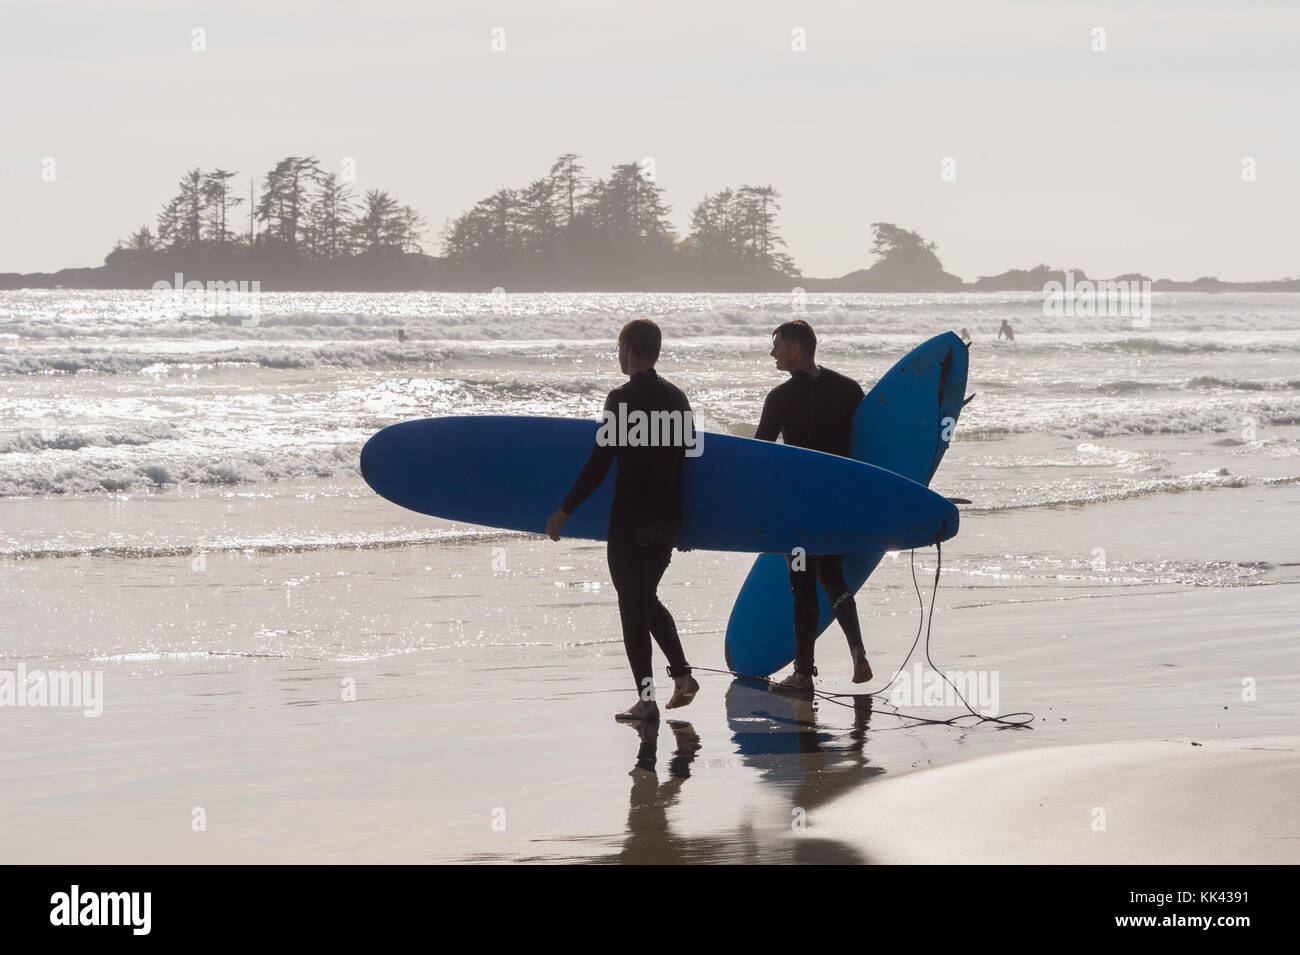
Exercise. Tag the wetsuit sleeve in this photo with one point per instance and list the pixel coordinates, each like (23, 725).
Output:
(769, 425)
(593, 472)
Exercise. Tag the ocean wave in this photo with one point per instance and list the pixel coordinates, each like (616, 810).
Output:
(1063, 571)
(1122, 386)
(1276, 447)
(55, 474)
(1125, 386)
(92, 359)
(149, 656)
(1083, 456)
(1210, 382)
(498, 388)
(1147, 346)
(262, 546)
(1077, 494)
(75, 438)
(1071, 421)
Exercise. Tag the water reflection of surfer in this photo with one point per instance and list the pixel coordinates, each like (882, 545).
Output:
(649, 839)
(779, 735)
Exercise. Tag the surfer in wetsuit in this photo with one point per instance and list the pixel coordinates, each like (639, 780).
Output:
(813, 409)
(646, 514)
(1006, 330)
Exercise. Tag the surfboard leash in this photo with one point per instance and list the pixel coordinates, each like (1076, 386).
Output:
(925, 623)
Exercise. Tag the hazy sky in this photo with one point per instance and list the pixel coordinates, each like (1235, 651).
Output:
(1108, 161)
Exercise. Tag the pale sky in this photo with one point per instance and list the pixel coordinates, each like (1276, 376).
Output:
(1127, 159)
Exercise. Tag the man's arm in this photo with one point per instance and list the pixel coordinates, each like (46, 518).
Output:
(769, 425)
(589, 478)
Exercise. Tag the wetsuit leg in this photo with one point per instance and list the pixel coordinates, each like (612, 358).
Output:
(830, 570)
(663, 628)
(636, 570)
(803, 585)
(626, 571)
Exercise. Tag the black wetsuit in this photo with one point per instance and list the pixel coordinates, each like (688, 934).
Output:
(815, 413)
(643, 523)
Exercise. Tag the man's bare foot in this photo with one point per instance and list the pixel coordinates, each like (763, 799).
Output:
(684, 690)
(642, 710)
(796, 684)
(861, 668)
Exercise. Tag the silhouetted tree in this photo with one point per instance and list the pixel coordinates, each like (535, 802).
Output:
(285, 198)
(542, 217)
(141, 240)
(570, 183)
(889, 238)
(411, 230)
(383, 224)
(627, 208)
(740, 225)
(191, 201)
(218, 198)
(331, 220)
(170, 234)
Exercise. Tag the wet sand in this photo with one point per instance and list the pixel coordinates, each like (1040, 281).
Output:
(481, 728)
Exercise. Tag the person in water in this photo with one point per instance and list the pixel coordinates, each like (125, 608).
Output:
(813, 409)
(1006, 330)
(965, 336)
(645, 516)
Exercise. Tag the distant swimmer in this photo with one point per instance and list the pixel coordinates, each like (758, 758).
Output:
(401, 334)
(965, 336)
(643, 520)
(813, 409)
(1006, 330)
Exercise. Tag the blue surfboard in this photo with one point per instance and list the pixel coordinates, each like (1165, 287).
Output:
(513, 472)
(900, 426)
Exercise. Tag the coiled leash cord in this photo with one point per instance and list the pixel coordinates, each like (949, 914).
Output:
(926, 622)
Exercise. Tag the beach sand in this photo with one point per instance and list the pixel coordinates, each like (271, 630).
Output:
(482, 730)
(1153, 802)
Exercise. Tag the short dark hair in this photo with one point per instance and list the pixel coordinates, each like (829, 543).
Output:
(643, 339)
(799, 331)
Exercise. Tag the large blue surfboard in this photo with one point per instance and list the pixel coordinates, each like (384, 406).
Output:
(737, 495)
(900, 426)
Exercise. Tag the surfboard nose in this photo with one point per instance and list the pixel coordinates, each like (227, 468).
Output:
(370, 457)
